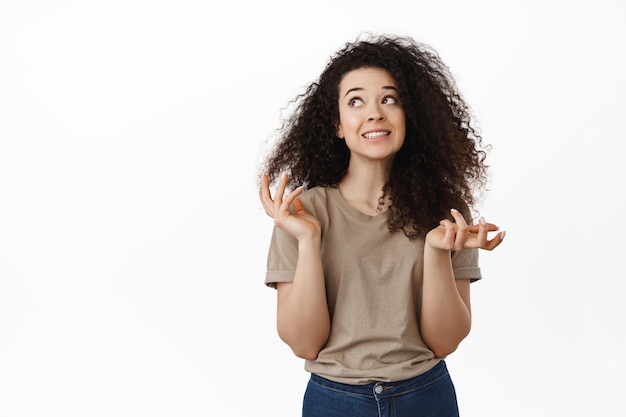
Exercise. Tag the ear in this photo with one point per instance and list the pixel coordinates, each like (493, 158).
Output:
(339, 131)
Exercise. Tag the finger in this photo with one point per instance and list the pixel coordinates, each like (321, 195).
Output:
(264, 191)
(290, 199)
(265, 181)
(450, 233)
(495, 242)
(280, 192)
(461, 229)
(490, 228)
(268, 206)
(298, 207)
(481, 235)
(266, 197)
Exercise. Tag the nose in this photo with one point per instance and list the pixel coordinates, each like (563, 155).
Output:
(375, 114)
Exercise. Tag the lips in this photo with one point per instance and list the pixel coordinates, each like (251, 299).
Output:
(376, 135)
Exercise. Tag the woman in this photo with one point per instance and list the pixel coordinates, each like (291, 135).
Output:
(373, 253)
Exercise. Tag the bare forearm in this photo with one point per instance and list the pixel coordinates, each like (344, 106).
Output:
(445, 316)
(303, 320)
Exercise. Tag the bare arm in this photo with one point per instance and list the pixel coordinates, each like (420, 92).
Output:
(446, 310)
(446, 313)
(303, 321)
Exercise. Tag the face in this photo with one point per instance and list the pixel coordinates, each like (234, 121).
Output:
(371, 118)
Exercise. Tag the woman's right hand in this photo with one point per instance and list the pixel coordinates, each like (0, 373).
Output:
(287, 211)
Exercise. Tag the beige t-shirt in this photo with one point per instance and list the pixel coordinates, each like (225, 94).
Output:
(373, 285)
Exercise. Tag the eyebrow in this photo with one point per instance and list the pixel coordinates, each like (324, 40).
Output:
(387, 87)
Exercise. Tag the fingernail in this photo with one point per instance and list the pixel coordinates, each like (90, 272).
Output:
(454, 210)
(482, 221)
(503, 234)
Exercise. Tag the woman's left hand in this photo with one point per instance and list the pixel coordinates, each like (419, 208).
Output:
(458, 235)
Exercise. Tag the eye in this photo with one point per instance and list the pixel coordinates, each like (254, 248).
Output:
(355, 102)
(390, 100)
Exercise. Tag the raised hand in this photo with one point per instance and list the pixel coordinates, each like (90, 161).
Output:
(287, 211)
(458, 235)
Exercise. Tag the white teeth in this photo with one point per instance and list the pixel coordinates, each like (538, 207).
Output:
(375, 135)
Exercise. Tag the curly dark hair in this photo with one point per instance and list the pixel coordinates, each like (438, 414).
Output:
(442, 161)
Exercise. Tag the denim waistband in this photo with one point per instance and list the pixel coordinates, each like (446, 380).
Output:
(384, 389)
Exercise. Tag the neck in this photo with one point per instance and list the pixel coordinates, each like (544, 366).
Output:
(362, 187)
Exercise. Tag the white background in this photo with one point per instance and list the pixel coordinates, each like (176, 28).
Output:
(132, 242)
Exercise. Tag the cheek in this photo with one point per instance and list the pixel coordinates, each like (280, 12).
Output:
(344, 127)
(401, 121)
(347, 125)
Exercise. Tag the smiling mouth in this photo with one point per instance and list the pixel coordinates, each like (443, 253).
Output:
(376, 135)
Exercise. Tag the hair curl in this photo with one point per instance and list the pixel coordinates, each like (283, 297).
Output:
(442, 161)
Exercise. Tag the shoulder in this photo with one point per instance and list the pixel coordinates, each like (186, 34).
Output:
(315, 197)
(319, 202)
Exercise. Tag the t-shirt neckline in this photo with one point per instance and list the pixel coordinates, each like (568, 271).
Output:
(336, 195)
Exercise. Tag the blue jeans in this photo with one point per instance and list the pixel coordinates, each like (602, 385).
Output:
(428, 395)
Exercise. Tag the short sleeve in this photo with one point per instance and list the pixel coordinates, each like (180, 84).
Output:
(281, 258)
(465, 265)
